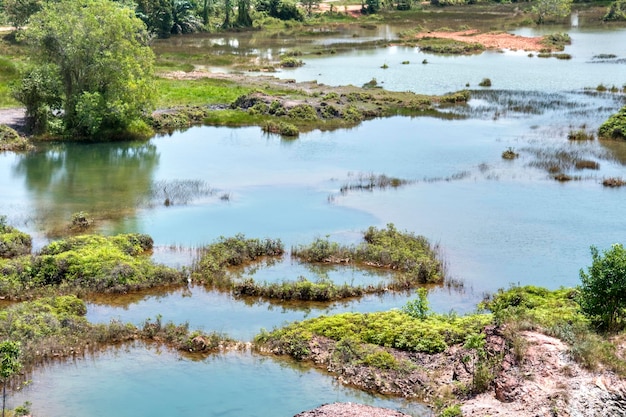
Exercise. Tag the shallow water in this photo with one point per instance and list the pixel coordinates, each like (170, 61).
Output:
(130, 382)
(497, 222)
(511, 70)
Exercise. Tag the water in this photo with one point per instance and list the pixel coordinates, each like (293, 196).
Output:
(129, 382)
(497, 222)
(513, 70)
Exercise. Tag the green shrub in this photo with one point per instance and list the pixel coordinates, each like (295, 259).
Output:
(615, 126)
(281, 128)
(603, 288)
(226, 252)
(13, 242)
(303, 112)
(290, 62)
(84, 264)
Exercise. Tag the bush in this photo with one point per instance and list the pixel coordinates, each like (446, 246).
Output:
(13, 242)
(603, 288)
(281, 128)
(616, 11)
(84, 264)
(615, 126)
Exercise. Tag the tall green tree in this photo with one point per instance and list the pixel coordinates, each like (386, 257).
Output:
(98, 68)
(9, 366)
(603, 288)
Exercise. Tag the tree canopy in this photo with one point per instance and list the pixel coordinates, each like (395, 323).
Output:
(93, 69)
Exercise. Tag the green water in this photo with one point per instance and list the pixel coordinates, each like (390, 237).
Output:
(497, 222)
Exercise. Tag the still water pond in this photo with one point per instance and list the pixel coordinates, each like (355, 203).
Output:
(130, 382)
(496, 221)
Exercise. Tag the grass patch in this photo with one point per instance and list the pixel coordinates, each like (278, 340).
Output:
(56, 327)
(216, 258)
(85, 264)
(447, 46)
(200, 92)
(405, 252)
(393, 329)
(556, 41)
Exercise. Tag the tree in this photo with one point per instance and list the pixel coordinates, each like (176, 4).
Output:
(19, 11)
(243, 14)
(309, 5)
(94, 70)
(9, 365)
(157, 15)
(603, 290)
(616, 11)
(552, 9)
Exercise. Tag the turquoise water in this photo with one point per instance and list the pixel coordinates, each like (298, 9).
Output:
(497, 222)
(130, 382)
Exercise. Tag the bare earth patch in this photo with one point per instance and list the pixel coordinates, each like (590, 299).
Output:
(549, 383)
(351, 410)
(492, 40)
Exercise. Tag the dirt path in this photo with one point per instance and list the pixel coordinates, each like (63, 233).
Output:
(491, 40)
(14, 118)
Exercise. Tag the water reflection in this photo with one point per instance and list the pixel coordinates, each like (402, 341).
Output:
(105, 180)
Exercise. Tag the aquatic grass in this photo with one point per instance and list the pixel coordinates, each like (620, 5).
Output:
(614, 182)
(369, 182)
(281, 128)
(580, 134)
(510, 154)
(587, 164)
(177, 192)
